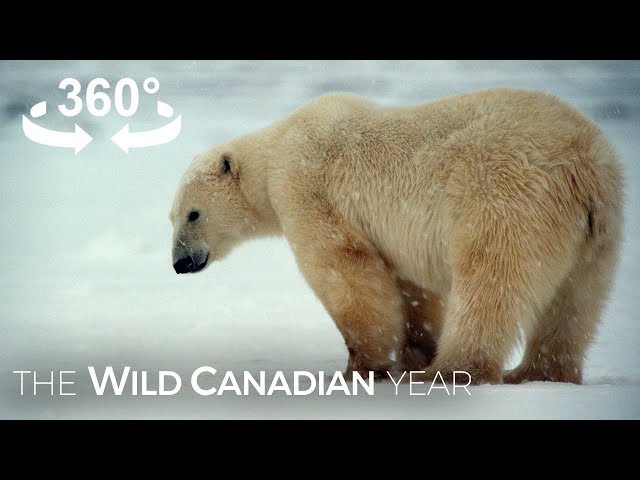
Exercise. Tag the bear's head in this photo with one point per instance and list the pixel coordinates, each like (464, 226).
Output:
(211, 213)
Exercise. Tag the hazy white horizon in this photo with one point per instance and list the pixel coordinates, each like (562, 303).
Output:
(85, 244)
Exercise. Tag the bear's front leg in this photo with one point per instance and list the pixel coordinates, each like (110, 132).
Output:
(356, 288)
(423, 311)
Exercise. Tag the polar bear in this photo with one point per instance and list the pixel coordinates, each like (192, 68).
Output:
(436, 233)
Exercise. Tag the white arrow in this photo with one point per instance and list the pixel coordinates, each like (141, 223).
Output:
(126, 140)
(77, 139)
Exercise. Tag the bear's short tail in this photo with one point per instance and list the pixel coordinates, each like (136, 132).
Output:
(597, 182)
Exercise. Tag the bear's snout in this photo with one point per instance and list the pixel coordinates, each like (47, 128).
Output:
(189, 264)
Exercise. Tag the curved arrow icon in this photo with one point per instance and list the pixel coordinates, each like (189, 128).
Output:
(77, 139)
(126, 139)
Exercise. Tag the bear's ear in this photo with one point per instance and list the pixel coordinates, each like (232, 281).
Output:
(226, 165)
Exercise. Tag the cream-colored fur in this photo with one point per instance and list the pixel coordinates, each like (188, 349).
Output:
(455, 222)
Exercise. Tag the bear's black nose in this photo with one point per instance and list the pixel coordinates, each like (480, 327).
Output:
(184, 265)
(192, 263)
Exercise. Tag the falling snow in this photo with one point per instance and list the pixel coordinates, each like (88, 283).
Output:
(87, 275)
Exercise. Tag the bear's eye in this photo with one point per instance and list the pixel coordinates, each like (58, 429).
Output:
(193, 215)
(226, 164)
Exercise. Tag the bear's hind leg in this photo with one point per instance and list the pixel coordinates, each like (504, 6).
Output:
(480, 328)
(503, 273)
(556, 348)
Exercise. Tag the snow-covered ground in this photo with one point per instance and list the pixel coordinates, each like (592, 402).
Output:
(86, 275)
